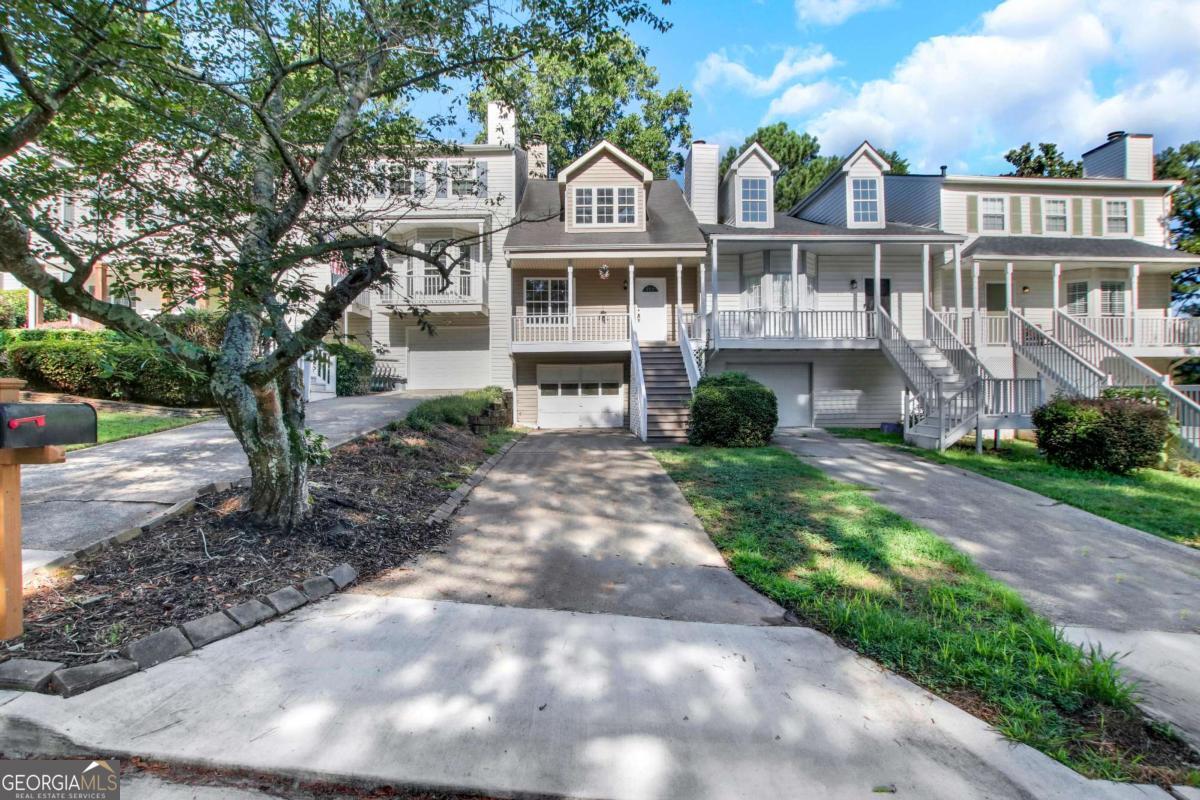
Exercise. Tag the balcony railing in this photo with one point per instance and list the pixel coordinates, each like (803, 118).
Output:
(566, 328)
(433, 290)
(1145, 331)
(760, 324)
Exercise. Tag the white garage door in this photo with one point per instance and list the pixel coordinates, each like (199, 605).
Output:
(580, 396)
(453, 358)
(792, 384)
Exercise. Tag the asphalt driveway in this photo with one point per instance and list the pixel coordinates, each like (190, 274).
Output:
(583, 521)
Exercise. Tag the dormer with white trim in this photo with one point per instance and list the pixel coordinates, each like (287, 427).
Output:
(748, 189)
(853, 195)
(604, 190)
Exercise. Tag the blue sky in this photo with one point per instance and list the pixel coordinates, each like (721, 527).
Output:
(955, 83)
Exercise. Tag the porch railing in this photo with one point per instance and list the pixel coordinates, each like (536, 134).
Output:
(994, 333)
(1012, 396)
(1071, 372)
(433, 290)
(763, 324)
(1145, 331)
(683, 334)
(638, 402)
(552, 328)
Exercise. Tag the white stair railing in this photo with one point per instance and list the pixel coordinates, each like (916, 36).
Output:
(638, 403)
(318, 370)
(1123, 370)
(685, 349)
(1072, 373)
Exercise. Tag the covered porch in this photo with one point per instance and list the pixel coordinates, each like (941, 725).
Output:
(418, 283)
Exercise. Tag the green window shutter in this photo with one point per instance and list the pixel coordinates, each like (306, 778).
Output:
(1014, 214)
(1035, 215)
(972, 213)
(1076, 216)
(1097, 217)
(1139, 217)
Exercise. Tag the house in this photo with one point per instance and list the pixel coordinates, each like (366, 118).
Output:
(950, 303)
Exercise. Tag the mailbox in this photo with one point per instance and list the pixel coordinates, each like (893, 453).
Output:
(41, 424)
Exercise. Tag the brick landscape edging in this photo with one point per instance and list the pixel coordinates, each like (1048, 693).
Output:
(53, 677)
(459, 495)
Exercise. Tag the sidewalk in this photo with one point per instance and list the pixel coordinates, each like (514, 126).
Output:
(101, 491)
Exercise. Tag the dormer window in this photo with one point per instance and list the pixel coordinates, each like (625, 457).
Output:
(754, 199)
(626, 214)
(605, 205)
(865, 195)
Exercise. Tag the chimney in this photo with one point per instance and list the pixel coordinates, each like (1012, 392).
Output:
(1124, 156)
(538, 159)
(701, 175)
(501, 125)
(943, 169)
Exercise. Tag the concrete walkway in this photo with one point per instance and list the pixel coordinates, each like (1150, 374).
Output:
(1106, 583)
(583, 521)
(103, 490)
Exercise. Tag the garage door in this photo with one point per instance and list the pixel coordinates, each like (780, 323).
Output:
(580, 396)
(453, 358)
(792, 384)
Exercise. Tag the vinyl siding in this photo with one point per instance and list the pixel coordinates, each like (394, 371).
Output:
(1107, 161)
(701, 181)
(913, 199)
(834, 273)
(526, 390)
(1139, 158)
(593, 295)
(605, 171)
(731, 206)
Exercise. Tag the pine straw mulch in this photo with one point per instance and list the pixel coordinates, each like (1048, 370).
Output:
(370, 505)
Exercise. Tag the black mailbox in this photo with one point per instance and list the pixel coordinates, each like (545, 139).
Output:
(40, 424)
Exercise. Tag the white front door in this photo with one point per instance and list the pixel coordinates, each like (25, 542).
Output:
(580, 396)
(650, 295)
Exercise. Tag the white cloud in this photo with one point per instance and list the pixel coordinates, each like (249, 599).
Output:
(833, 12)
(718, 70)
(801, 99)
(1033, 70)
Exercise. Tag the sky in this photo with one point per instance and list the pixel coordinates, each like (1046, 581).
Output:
(952, 82)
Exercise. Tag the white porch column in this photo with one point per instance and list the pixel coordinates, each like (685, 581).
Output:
(632, 306)
(1135, 271)
(795, 290)
(716, 326)
(701, 301)
(925, 301)
(678, 289)
(1056, 277)
(31, 309)
(878, 281)
(1008, 292)
(976, 315)
(570, 301)
(958, 287)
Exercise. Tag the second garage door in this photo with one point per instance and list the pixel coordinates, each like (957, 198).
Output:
(454, 358)
(580, 396)
(792, 384)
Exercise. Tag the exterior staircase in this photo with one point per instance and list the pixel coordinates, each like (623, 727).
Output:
(668, 393)
(927, 432)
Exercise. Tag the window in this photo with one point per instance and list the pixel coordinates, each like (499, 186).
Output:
(604, 206)
(865, 194)
(1116, 216)
(68, 210)
(1056, 216)
(546, 297)
(625, 206)
(754, 199)
(583, 206)
(463, 177)
(1077, 299)
(992, 213)
(1112, 298)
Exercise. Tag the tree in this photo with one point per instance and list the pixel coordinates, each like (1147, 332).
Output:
(802, 168)
(223, 146)
(1046, 162)
(1183, 164)
(572, 102)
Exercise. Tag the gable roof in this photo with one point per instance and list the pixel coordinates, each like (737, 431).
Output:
(754, 149)
(606, 147)
(864, 149)
(670, 223)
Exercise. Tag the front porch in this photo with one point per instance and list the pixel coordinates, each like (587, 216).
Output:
(420, 284)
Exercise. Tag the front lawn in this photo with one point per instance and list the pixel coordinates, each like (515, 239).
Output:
(1163, 503)
(114, 425)
(897, 593)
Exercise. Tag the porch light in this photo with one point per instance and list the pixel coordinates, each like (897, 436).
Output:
(1024, 290)
(853, 284)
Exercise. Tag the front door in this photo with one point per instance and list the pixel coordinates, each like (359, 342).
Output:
(885, 294)
(650, 294)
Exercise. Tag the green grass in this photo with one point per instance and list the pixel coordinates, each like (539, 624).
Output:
(112, 426)
(1163, 503)
(453, 409)
(498, 439)
(900, 595)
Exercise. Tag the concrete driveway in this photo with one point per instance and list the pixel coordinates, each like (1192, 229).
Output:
(583, 521)
(1105, 583)
(103, 490)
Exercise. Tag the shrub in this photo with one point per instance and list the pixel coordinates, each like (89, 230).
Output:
(1112, 434)
(14, 306)
(205, 328)
(732, 410)
(454, 409)
(355, 363)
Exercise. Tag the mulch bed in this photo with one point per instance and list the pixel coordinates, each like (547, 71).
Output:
(370, 505)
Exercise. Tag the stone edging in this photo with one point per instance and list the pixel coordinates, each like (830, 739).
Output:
(52, 677)
(459, 495)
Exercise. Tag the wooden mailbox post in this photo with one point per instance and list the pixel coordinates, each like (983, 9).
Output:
(30, 434)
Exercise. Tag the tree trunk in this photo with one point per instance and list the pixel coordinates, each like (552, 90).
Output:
(269, 423)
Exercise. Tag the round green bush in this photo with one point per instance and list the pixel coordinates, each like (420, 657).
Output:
(1112, 435)
(731, 409)
(355, 364)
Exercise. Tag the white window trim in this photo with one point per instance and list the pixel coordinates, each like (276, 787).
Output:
(1066, 297)
(1066, 201)
(879, 191)
(1124, 292)
(769, 200)
(1128, 232)
(525, 301)
(616, 207)
(1003, 214)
